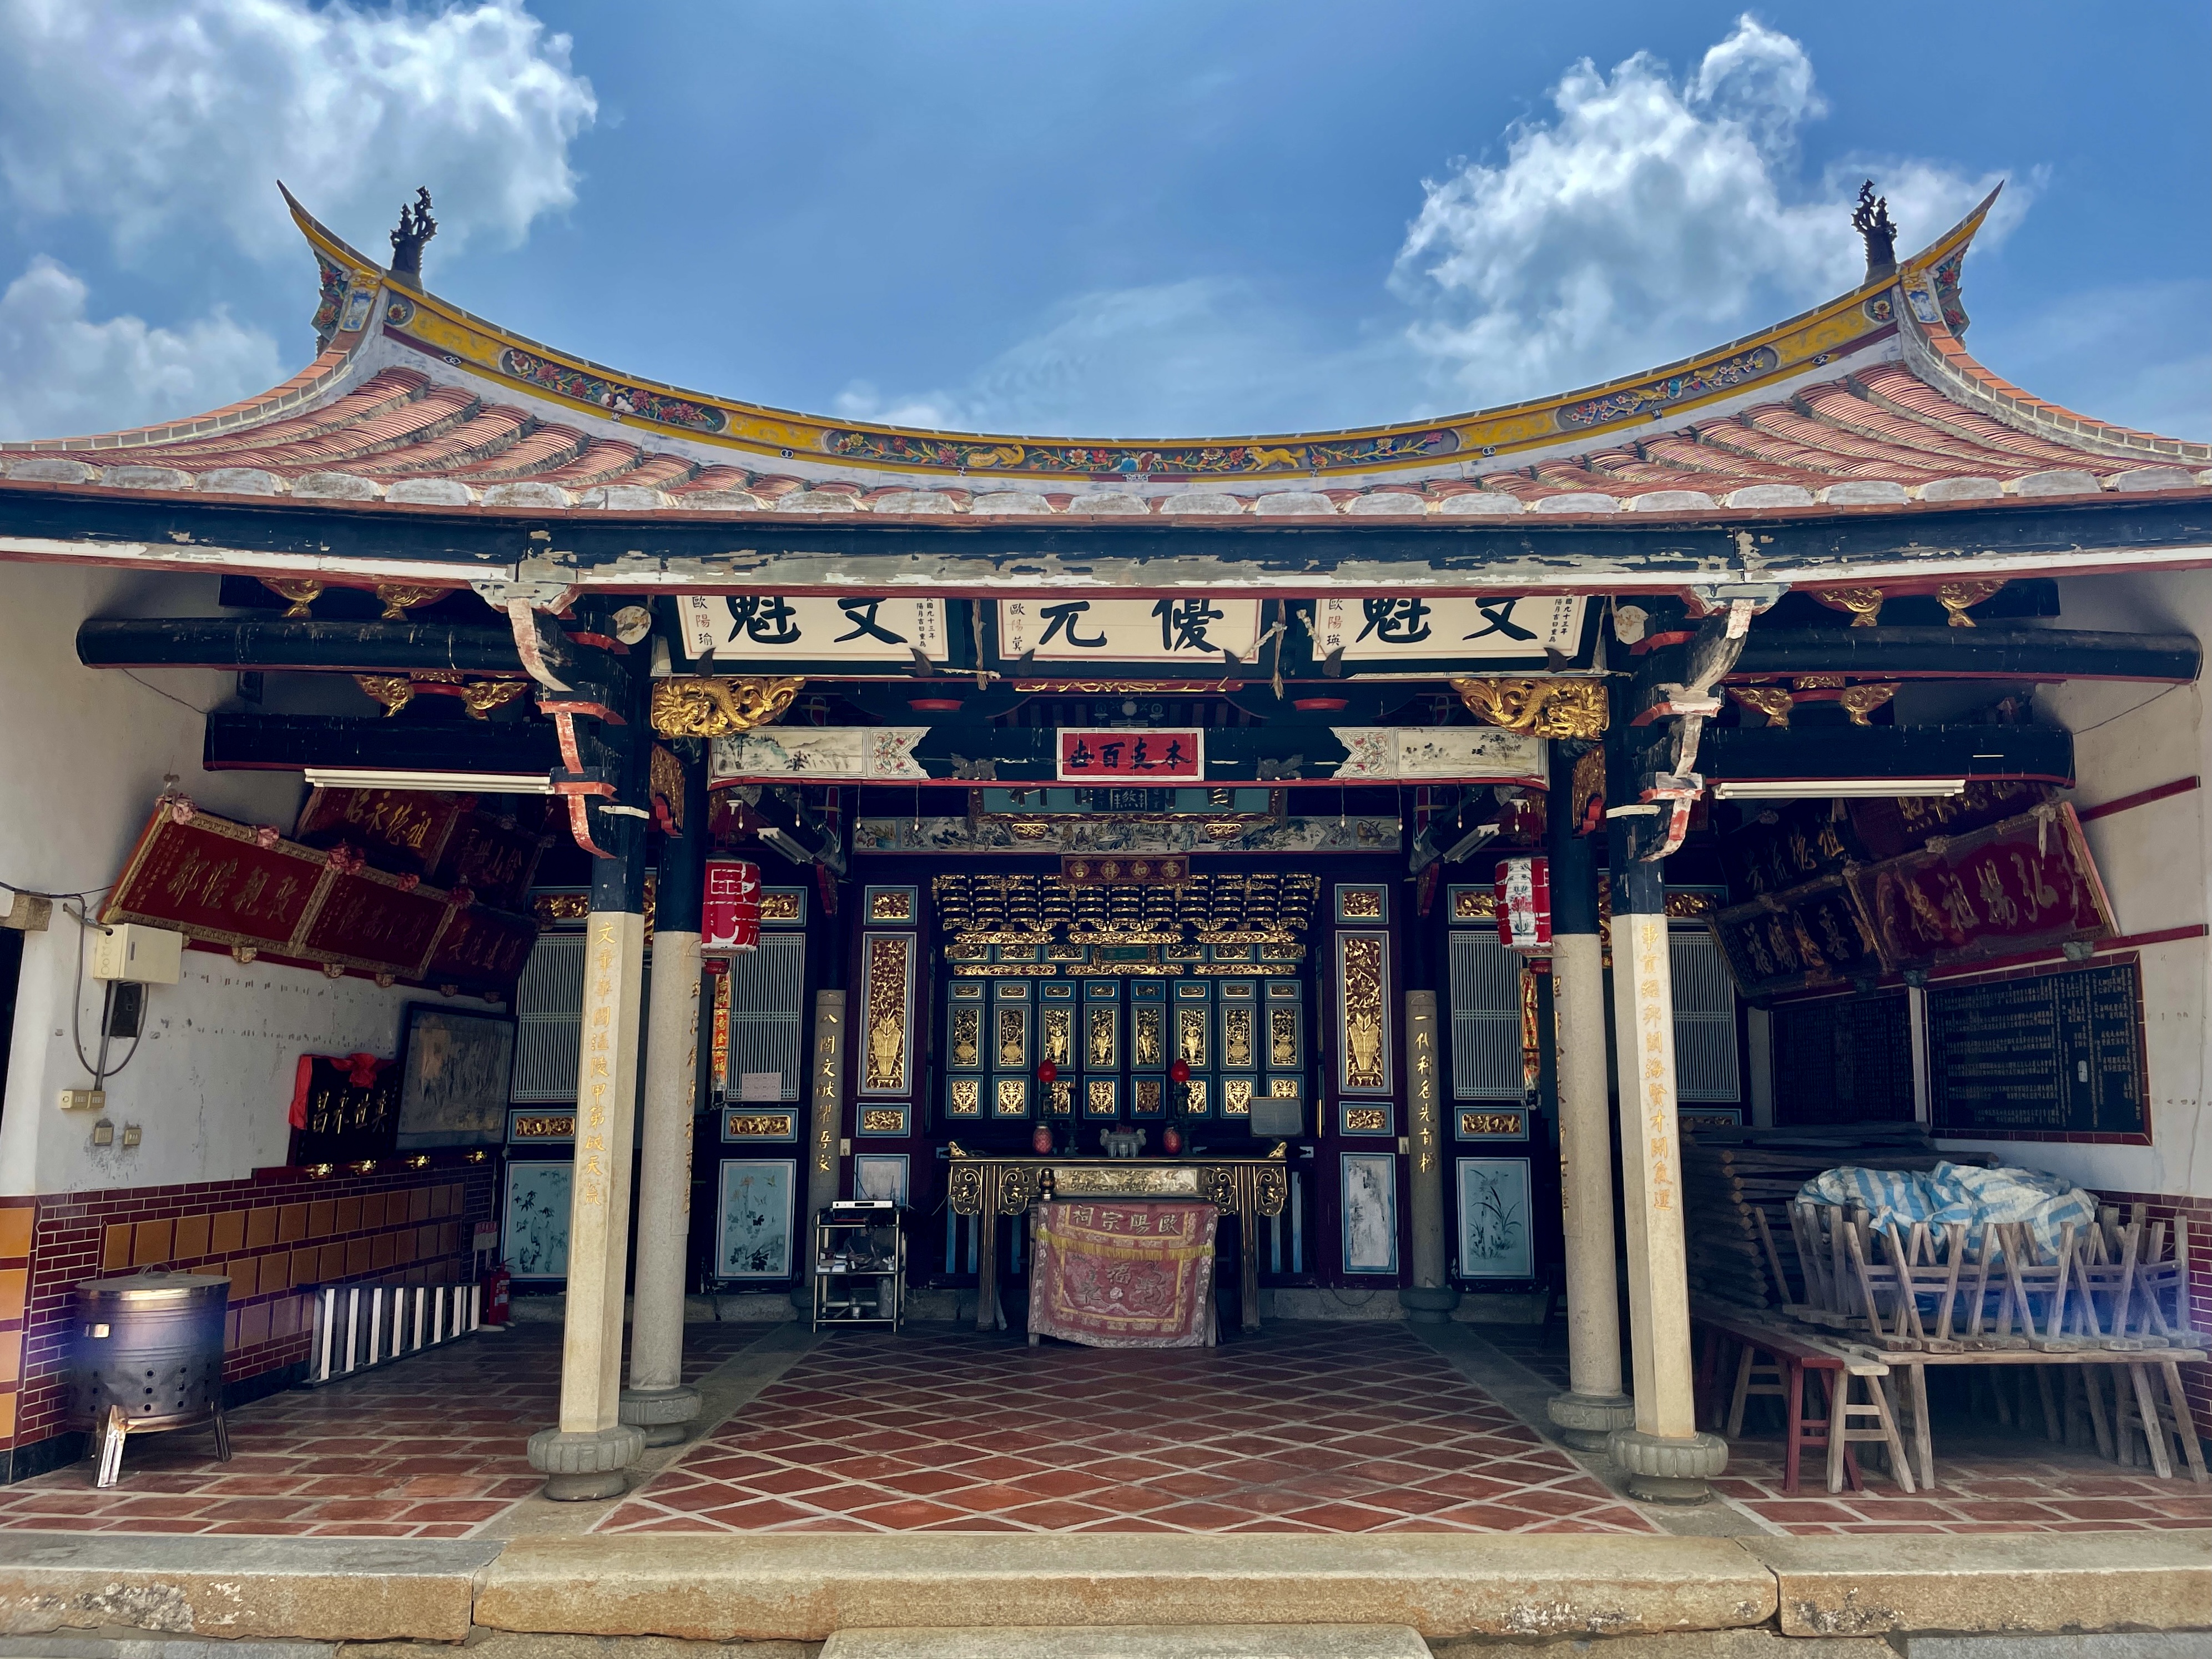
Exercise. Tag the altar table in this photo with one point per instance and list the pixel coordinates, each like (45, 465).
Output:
(1113, 1272)
(986, 1187)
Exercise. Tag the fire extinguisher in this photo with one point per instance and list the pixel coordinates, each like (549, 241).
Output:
(496, 1285)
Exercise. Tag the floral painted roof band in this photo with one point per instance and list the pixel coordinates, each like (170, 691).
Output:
(612, 395)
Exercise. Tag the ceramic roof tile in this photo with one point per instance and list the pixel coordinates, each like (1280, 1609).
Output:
(605, 460)
(386, 391)
(543, 451)
(487, 433)
(1901, 403)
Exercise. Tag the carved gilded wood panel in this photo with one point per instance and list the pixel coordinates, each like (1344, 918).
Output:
(887, 1047)
(1363, 1018)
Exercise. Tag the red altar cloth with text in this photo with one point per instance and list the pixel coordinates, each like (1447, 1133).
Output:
(1123, 1273)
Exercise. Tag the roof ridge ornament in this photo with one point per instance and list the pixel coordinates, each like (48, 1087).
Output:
(1871, 219)
(415, 227)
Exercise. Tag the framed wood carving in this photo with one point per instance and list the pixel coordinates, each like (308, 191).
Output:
(454, 1070)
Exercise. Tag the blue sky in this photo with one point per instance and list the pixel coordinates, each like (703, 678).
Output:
(1139, 220)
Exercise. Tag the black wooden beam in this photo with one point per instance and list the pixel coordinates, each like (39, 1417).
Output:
(290, 742)
(273, 642)
(755, 549)
(2007, 654)
(1830, 753)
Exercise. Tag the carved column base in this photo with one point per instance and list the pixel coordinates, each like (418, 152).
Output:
(585, 1463)
(661, 1412)
(1586, 1421)
(1428, 1305)
(1663, 1470)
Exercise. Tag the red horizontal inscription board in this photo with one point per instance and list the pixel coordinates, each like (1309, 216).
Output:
(210, 879)
(1116, 753)
(246, 890)
(2023, 885)
(367, 922)
(482, 946)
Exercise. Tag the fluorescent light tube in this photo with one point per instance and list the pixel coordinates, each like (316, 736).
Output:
(465, 783)
(1816, 788)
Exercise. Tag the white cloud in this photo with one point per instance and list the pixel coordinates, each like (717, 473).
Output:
(1647, 219)
(154, 117)
(62, 374)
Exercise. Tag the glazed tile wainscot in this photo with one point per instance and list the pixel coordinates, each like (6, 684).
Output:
(273, 1235)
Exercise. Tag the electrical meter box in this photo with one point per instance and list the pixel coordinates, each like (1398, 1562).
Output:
(131, 951)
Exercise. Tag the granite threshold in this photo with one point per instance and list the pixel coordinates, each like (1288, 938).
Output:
(806, 1587)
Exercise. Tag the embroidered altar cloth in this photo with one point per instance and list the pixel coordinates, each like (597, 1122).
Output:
(1124, 1274)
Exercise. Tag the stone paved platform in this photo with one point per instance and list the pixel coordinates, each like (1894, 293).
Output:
(1323, 1428)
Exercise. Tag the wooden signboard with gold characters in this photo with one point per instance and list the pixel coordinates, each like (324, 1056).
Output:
(251, 892)
(2022, 886)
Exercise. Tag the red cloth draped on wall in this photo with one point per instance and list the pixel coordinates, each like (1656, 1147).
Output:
(1123, 1273)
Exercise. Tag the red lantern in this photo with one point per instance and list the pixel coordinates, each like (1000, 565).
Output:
(1179, 1071)
(1523, 902)
(1046, 1072)
(1171, 1142)
(730, 918)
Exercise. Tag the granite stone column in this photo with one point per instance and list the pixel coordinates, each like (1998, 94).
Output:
(584, 1456)
(1430, 1299)
(1666, 1458)
(657, 1400)
(1594, 1404)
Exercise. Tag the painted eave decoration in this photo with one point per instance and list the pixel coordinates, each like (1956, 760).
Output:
(1868, 401)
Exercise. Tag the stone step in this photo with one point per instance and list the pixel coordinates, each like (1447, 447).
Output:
(1133, 1642)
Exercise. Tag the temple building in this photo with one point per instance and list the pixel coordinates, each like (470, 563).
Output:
(1484, 865)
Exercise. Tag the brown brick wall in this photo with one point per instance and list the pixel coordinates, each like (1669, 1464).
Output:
(273, 1235)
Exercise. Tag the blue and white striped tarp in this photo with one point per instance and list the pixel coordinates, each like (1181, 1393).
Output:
(1959, 1191)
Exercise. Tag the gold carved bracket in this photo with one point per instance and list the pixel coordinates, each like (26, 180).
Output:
(1542, 708)
(695, 706)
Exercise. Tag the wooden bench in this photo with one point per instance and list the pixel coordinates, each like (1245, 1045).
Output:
(1794, 1358)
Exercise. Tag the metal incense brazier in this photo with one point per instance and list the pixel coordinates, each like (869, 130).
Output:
(147, 1355)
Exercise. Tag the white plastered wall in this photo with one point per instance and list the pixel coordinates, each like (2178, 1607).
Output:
(82, 754)
(2156, 861)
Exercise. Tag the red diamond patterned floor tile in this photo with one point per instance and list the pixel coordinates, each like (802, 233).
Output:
(430, 1448)
(1305, 1428)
